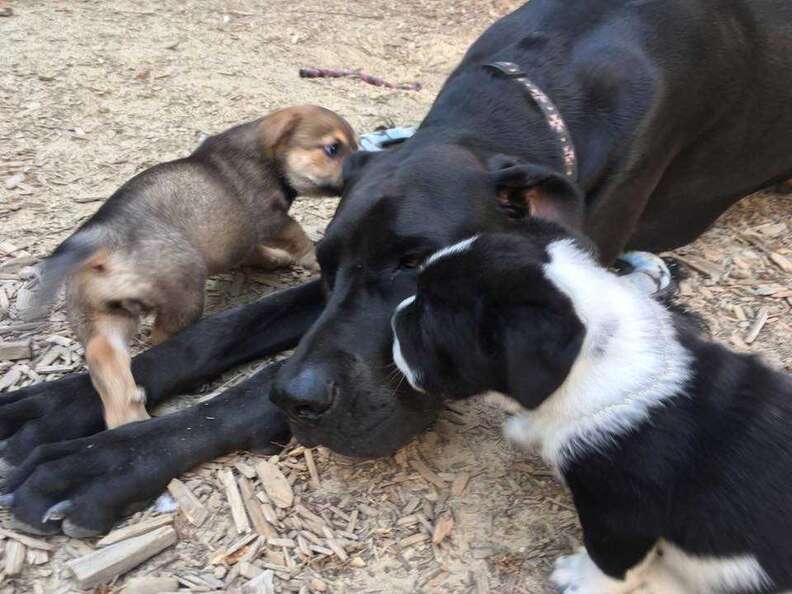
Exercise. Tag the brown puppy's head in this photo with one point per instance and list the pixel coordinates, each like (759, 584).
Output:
(309, 143)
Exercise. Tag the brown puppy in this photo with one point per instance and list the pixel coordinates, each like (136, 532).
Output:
(150, 247)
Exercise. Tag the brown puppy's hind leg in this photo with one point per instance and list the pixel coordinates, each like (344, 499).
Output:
(108, 360)
(181, 308)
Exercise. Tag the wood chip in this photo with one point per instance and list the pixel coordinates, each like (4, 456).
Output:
(245, 469)
(334, 545)
(33, 543)
(758, 324)
(255, 510)
(275, 484)
(428, 474)
(263, 584)
(14, 557)
(781, 261)
(443, 528)
(235, 502)
(105, 564)
(190, 506)
(37, 557)
(8, 248)
(17, 263)
(309, 460)
(352, 524)
(13, 351)
(249, 570)
(235, 552)
(134, 530)
(413, 540)
(701, 265)
(460, 484)
(151, 585)
(10, 379)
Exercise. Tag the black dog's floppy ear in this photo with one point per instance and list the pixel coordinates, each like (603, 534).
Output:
(540, 348)
(525, 189)
(353, 167)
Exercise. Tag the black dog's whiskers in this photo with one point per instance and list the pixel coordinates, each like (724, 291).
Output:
(394, 373)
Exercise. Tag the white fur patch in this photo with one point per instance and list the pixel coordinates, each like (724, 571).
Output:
(665, 570)
(742, 573)
(630, 362)
(457, 248)
(398, 358)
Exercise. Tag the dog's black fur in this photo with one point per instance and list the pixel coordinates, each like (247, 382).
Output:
(676, 108)
(709, 469)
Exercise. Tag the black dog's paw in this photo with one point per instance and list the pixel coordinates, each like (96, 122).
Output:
(45, 413)
(86, 485)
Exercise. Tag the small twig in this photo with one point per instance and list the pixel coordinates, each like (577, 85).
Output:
(358, 74)
(309, 460)
(756, 327)
(373, 17)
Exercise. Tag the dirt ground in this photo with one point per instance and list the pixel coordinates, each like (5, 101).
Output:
(92, 92)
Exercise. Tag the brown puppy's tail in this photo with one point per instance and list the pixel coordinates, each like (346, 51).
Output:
(74, 252)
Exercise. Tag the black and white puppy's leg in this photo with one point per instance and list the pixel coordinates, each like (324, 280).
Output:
(578, 574)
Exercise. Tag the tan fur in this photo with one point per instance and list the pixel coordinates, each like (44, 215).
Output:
(187, 222)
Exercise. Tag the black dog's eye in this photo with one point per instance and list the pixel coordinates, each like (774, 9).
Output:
(411, 261)
(331, 150)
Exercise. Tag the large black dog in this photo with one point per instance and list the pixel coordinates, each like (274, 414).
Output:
(676, 109)
(677, 451)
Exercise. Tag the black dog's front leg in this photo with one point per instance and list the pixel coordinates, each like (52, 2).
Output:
(92, 481)
(70, 408)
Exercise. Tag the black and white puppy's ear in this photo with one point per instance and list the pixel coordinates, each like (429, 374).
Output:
(541, 343)
(353, 167)
(524, 190)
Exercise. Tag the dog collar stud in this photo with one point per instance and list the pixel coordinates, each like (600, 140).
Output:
(548, 108)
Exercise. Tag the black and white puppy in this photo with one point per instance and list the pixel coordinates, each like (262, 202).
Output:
(678, 452)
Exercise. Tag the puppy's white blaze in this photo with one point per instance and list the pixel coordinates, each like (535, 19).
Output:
(630, 362)
(398, 358)
(405, 303)
(456, 248)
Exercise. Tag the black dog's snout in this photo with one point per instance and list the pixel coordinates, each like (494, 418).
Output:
(306, 395)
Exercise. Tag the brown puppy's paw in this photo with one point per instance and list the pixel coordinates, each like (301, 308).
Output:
(130, 412)
(309, 262)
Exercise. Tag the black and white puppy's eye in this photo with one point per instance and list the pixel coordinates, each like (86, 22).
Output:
(411, 261)
(331, 150)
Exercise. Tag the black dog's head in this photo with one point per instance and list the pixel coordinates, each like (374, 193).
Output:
(341, 388)
(486, 317)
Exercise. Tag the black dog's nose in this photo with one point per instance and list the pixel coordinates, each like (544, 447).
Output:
(305, 395)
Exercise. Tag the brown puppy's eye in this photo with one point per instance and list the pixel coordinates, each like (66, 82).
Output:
(411, 261)
(331, 150)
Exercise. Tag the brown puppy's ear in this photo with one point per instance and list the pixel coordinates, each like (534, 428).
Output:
(98, 262)
(524, 189)
(277, 128)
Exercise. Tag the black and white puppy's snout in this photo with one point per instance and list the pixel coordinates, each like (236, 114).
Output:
(410, 373)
